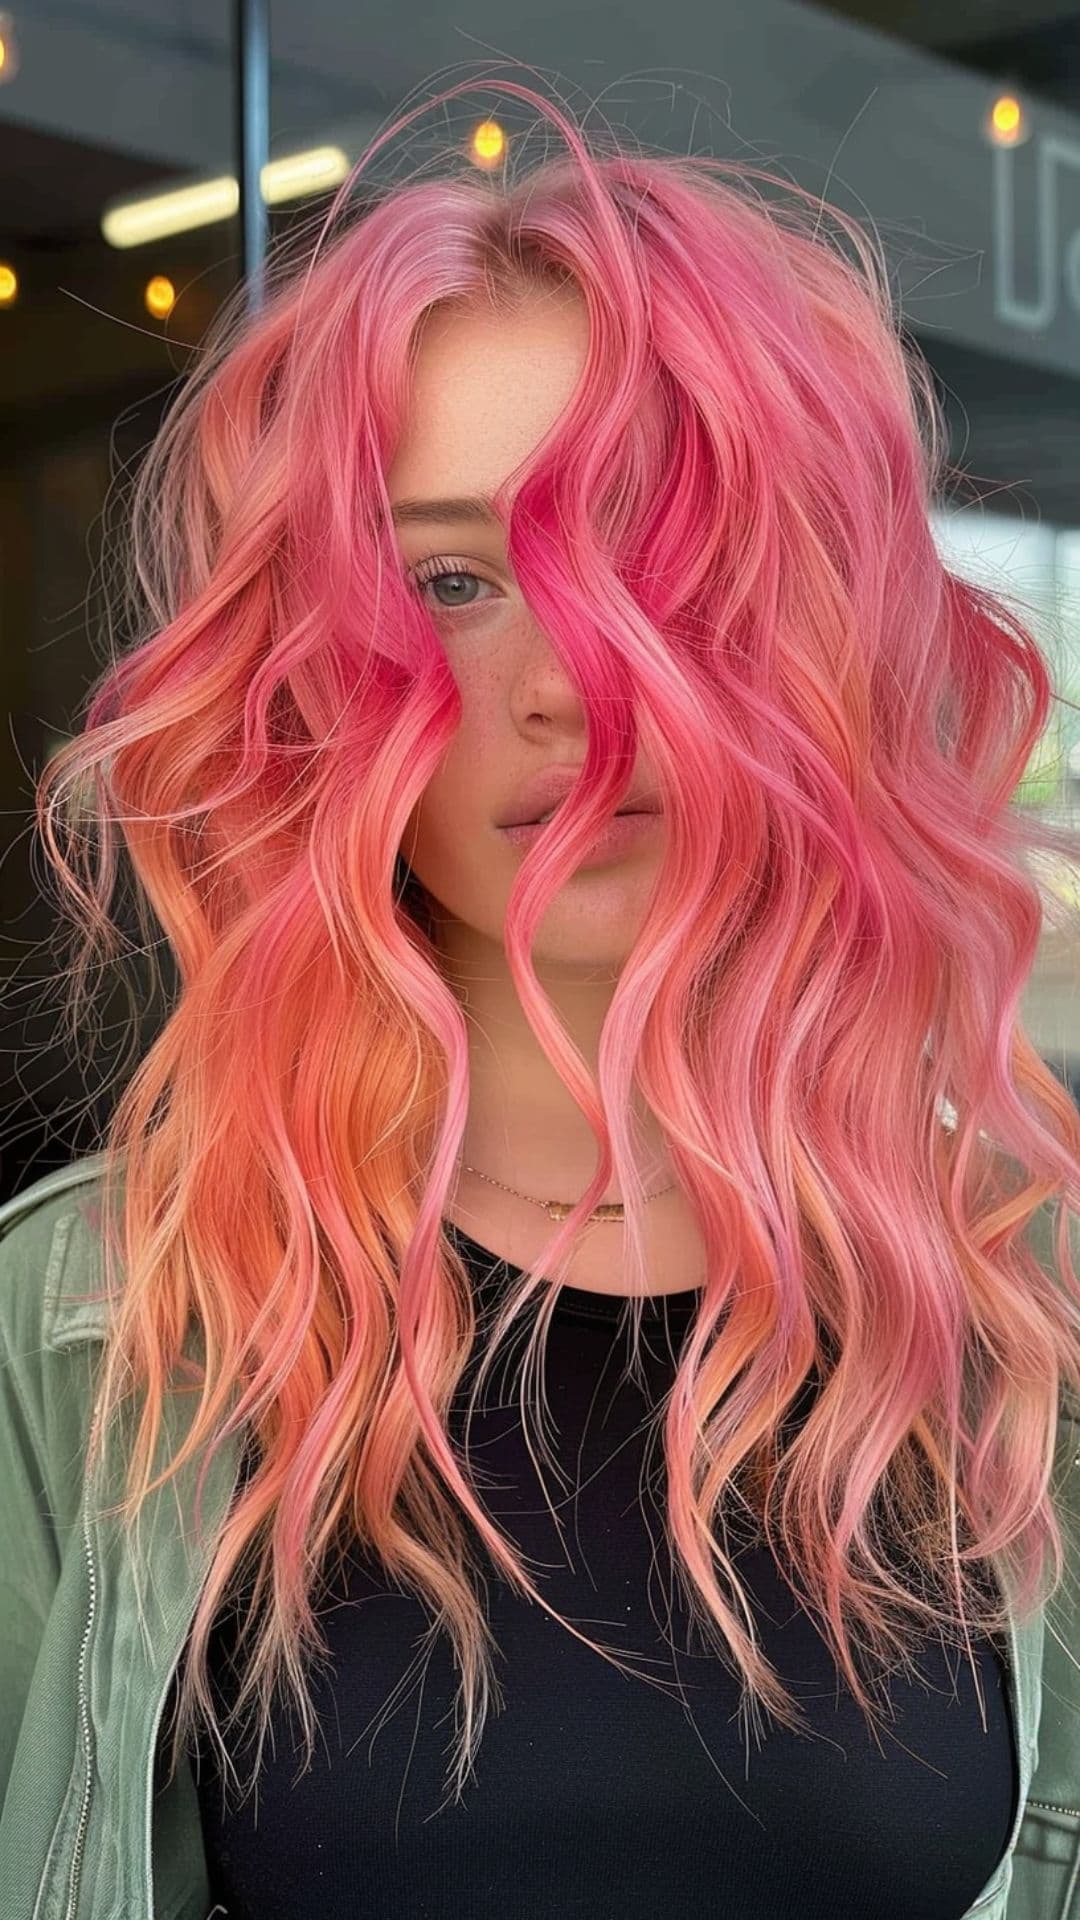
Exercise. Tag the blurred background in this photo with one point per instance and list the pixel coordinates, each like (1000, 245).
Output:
(132, 131)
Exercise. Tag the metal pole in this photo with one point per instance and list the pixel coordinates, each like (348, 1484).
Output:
(251, 67)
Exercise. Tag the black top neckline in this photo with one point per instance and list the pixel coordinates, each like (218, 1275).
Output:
(493, 1272)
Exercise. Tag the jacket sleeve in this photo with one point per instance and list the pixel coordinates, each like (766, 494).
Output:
(43, 1406)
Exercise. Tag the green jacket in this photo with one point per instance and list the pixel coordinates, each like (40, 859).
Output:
(88, 1650)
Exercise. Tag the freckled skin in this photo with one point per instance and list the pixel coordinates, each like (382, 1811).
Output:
(487, 387)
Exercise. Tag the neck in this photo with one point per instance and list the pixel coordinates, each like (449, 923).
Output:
(523, 1127)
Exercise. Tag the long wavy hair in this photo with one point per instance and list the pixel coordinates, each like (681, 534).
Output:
(727, 538)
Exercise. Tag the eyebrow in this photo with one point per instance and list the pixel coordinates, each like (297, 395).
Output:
(471, 507)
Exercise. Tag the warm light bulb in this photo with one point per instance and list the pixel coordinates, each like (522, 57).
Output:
(488, 143)
(159, 296)
(1006, 121)
(9, 54)
(9, 285)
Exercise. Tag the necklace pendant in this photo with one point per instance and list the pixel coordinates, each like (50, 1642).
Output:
(559, 1209)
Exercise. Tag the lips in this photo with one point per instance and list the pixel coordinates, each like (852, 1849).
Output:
(542, 796)
(552, 811)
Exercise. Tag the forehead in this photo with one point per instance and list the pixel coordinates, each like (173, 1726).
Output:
(486, 389)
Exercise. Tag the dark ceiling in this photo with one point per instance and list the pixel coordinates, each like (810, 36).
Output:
(62, 185)
(980, 35)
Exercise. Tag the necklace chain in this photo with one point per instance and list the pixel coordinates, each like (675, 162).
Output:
(559, 1209)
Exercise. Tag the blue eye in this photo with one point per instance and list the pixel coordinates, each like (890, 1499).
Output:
(429, 572)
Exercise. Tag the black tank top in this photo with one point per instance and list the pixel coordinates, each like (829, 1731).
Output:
(597, 1795)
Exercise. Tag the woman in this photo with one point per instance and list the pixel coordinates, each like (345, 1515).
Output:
(603, 487)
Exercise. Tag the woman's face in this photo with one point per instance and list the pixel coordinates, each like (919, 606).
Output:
(486, 389)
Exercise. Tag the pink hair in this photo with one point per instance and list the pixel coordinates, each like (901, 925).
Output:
(727, 540)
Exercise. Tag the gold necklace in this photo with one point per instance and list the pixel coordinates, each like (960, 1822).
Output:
(558, 1209)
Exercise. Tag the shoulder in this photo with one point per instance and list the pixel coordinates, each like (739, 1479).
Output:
(49, 1342)
(48, 1256)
